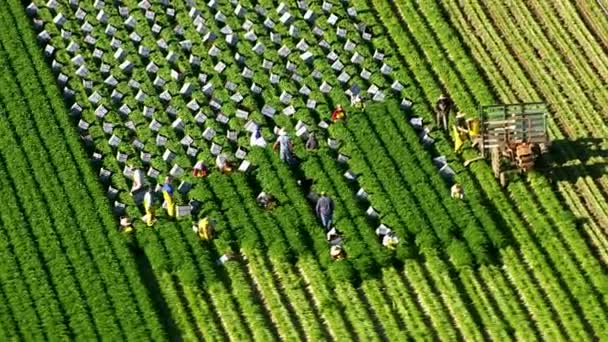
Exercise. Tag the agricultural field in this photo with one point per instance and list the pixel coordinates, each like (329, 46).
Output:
(92, 91)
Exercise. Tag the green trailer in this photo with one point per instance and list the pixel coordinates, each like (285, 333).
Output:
(513, 136)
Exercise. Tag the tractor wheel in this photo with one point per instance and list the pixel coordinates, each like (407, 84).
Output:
(496, 162)
(503, 179)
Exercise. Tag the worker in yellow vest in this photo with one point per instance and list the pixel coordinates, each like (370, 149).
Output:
(149, 207)
(474, 127)
(459, 138)
(126, 226)
(168, 196)
(204, 229)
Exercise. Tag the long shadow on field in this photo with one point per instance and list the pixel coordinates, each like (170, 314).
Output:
(151, 284)
(586, 149)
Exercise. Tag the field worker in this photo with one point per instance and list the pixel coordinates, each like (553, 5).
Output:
(390, 240)
(138, 180)
(257, 139)
(126, 226)
(200, 169)
(338, 114)
(461, 124)
(226, 257)
(149, 207)
(204, 229)
(325, 210)
(356, 101)
(459, 138)
(337, 253)
(285, 147)
(473, 126)
(442, 109)
(221, 161)
(457, 192)
(168, 196)
(311, 143)
(266, 201)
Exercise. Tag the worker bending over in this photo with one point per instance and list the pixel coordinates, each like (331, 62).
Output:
(266, 201)
(200, 169)
(311, 143)
(337, 253)
(221, 161)
(390, 240)
(168, 196)
(338, 114)
(356, 101)
(126, 225)
(204, 229)
(325, 210)
(257, 139)
(149, 218)
(457, 192)
(334, 237)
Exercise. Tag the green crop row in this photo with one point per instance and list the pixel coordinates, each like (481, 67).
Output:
(51, 208)
(506, 205)
(518, 200)
(527, 91)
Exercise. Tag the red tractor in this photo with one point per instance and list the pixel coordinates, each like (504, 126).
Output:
(513, 136)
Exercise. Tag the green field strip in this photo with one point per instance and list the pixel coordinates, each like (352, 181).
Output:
(372, 291)
(565, 263)
(288, 329)
(568, 190)
(332, 310)
(254, 259)
(518, 200)
(18, 311)
(189, 272)
(584, 64)
(94, 295)
(492, 321)
(200, 298)
(128, 265)
(491, 192)
(313, 323)
(432, 303)
(9, 330)
(417, 321)
(81, 216)
(571, 28)
(594, 17)
(457, 302)
(532, 296)
(159, 263)
(567, 59)
(496, 284)
(241, 217)
(67, 292)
